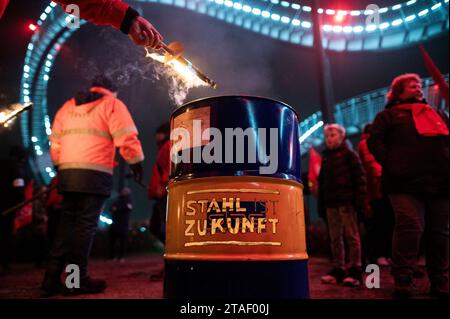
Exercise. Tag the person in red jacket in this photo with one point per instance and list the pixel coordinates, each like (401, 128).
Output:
(157, 187)
(410, 139)
(115, 13)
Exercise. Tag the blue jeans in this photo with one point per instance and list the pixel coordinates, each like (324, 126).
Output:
(416, 216)
(75, 232)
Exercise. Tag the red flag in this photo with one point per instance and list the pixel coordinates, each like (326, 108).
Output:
(315, 162)
(24, 216)
(435, 73)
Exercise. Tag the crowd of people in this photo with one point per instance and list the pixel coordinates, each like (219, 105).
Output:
(396, 187)
(379, 202)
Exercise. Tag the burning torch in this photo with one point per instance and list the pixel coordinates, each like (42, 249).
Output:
(10, 112)
(172, 57)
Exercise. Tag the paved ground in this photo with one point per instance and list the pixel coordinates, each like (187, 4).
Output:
(130, 280)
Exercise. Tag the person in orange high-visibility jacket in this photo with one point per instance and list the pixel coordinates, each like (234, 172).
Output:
(115, 13)
(86, 131)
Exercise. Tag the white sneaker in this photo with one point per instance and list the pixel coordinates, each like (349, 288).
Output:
(328, 279)
(383, 262)
(351, 282)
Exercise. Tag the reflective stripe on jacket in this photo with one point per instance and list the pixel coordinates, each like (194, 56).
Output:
(85, 136)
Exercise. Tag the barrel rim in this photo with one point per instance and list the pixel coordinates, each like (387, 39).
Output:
(179, 109)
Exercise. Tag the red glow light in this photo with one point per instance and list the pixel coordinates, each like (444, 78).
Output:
(32, 27)
(339, 18)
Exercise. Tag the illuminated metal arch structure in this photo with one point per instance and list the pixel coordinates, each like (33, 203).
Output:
(400, 25)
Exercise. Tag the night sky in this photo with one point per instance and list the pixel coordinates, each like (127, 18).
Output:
(240, 61)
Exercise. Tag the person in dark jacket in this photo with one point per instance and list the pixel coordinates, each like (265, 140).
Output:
(12, 187)
(342, 191)
(410, 141)
(118, 232)
(380, 221)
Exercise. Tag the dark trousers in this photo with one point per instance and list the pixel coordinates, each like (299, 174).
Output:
(119, 240)
(6, 240)
(379, 230)
(76, 231)
(416, 216)
(158, 220)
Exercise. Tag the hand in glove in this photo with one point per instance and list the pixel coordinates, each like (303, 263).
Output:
(137, 171)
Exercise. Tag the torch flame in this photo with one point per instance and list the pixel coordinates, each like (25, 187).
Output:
(184, 72)
(8, 114)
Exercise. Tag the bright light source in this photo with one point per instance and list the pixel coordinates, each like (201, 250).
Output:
(306, 24)
(285, 19)
(32, 27)
(48, 169)
(342, 12)
(46, 77)
(410, 18)
(247, 8)
(384, 25)
(310, 131)
(327, 28)
(265, 14)
(43, 16)
(423, 12)
(285, 4)
(348, 29)
(256, 11)
(296, 22)
(411, 2)
(320, 10)
(51, 174)
(295, 6)
(338, 18)
(238, 6)
(306, 9)
(330, 12)
(358, 29)
(275, 17)
(371, 27)
(383, 10)
(397, 22)
(337, 29)
(228, 3)
(396, 7)
(355, 13)
(436, 6)
(34, 139)
(368, 12)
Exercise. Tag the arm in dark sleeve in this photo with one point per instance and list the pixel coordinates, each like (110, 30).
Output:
(377, 140)
(359, 180)
(321, 198)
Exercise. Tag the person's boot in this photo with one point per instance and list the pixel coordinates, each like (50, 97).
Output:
(51, 285)
(88, 285)
(403, 287)
(334, 276)
(353, 278)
